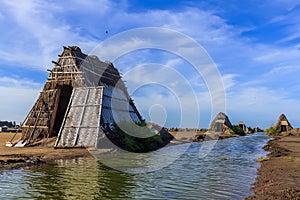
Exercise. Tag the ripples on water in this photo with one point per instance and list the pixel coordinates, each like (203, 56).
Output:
(189, 177)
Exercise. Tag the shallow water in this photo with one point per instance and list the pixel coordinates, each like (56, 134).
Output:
(225, 173)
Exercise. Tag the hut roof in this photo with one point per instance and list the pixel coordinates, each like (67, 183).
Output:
(283, 121)
(221, 118)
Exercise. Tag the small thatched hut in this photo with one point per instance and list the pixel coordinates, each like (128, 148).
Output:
(283, 124)
(243, 126)
(221, 124)
(81, 97)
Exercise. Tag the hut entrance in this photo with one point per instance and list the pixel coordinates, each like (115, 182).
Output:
(63, 98)
(219, 127)
(283, 126)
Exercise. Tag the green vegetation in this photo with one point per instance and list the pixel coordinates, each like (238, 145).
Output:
(271, 131)
(135, 137)
(237, 130)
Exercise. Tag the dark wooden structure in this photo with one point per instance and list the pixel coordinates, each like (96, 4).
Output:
(283, 124)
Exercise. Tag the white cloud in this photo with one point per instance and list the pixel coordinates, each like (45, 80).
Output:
(228, 80)
(160, 75)
(7, 56)
(17, 98)
(92, 6)
(288, 21)
(19, 83)
(15, 103)
(181, 111)
(283, 70)
(51, 29)
(35, 22)
(43, 24)
(277, 55)
(261, 106)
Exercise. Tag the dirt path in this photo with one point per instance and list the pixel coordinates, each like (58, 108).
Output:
(279, 177)
(12, 157)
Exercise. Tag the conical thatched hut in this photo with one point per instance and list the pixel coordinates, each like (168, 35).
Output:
(283, 124)
(243, 126)
(221, 124)
(81, 96)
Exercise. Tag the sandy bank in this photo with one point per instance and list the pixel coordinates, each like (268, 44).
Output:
(25, 156)
(181, 137)
(279, 176)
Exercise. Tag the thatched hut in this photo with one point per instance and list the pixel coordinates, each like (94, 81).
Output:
(221, 124)
(243, 126)
(81, 97)
(283, 124)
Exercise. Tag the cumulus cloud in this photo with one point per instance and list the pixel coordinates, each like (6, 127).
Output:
(261, 106)
(17, 98)
(37, 35)
(19, 83)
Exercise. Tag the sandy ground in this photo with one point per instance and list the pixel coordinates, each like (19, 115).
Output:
(279, 177)
(12, 157)
(182, 136)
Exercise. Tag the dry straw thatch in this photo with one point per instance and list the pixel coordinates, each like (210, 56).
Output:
(73, 69)
(283, 124)
(221, 124)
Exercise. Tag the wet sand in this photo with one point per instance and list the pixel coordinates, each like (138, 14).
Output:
(279, 176)
(181, 137)
(16, 157)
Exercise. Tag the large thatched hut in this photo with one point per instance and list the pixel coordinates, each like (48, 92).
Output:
(221, 124)
(81, 97)
(283, 124)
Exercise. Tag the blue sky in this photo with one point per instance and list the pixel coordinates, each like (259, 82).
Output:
(255, 45)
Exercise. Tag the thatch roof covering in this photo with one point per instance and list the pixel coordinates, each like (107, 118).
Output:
(283, 124)
(241, 123)
(59, 101)
(221, 123)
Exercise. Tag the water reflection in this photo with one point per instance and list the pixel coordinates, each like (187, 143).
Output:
(65, 179)
(112, 184)
(143, 162)
(226, 173)
(79, 179)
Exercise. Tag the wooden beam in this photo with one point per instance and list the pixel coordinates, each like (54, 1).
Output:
(56, 63)
(53, 117)
(53, 72)
(43, 127)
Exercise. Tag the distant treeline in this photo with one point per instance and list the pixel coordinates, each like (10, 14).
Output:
(186, 129)
(8, 124)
